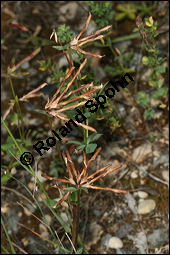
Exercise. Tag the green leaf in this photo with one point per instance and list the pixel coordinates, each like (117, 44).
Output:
(9, 145)
(157, 84)
(119, 16)
(145, 60)
(87, 115)
(81, 147)
(149, 113)
(50, 202)
(75, 142)
(151, 137)
(143, 99)
(6, 147)
(43, 112)
(91, 147)
(85, 189)
(14, 118)
(5, 178)
(121, 7)
(80, 250)
(160, 69)
(135, 29)
(93, 137)
(61, 47)
(131, 16)
(71, 189)
(160, 92)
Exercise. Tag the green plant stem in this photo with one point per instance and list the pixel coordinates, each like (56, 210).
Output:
(8, 237)
(21, 129)
(5, 250)
(65, 54)
(118, 61)
(57, 146)
(11, 135)
(76, 217)
(86, 132)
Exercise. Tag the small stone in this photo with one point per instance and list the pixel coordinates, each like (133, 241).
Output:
(161, 160)
(31, 185)
(25, 65)
(96, 212)
(124, 230)
(5, 208)
(43, 230)
(134, 175)
(141, 152)
(69, 9)
(146, 206)
(115, 243)
(48, 218)
(142, 194)
(64, 216)
(80, 159)
(13, 171)
(105, 240)
(158, 238)
(20, 214)
(95, 231)
(38, 174)
(165, 175)
(24, 241)
(154, 102)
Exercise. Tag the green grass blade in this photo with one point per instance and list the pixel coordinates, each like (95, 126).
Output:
(8, 237)
(5, 250)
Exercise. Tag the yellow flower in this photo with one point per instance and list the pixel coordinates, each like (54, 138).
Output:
(150, 23)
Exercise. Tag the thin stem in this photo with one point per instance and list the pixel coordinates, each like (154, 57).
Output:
(86, 132)
(76, 217)
(21, 129)
(57, 146)
(118, 61)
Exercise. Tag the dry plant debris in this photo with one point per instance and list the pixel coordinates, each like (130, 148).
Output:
(83, 180)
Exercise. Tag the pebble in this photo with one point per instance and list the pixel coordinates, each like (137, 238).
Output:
(158, 238)
(13, 171)
(63, 61)
(96, 212)
(142, 194)
(25, 65)
(141, 152)
(161, 160)
(25, 241)
(48, 218)
(91, 28)
(115, 243)
(69, 9)
(95, 232)
(122, 45)
(105, 240)
(43, 230)
(124, 230)
(80, 159)
(146, 206)
(64, 216)
(5, 208)
(38, 174)
(134, 175)
(165, 175)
